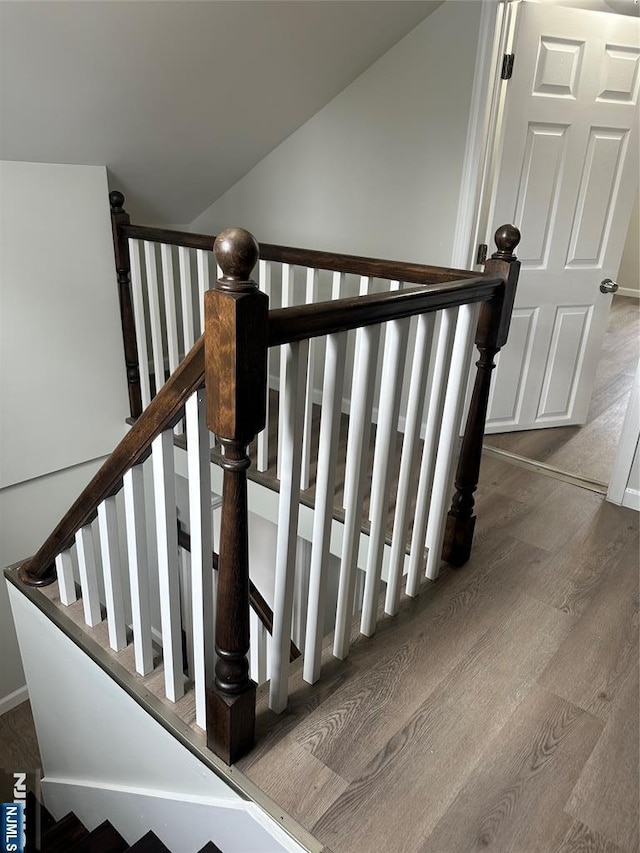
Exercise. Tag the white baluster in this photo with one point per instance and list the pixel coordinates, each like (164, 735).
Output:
(139, 322)
(202, 265)
(366, 284)
(167, 536)
(200, 528)
(449, 436)
(88, 576)
(294, 357)
(415, 408)
(258, 649)
(186, 597)
(66, 581)
(362, 393)
(301, 592)
(155, 322)
(112, 573)
(311, 297)
(335, 358)
(395, 349)
(166, 256)
(186, 297)
(442, 361)
(337, 285)
(138, 568)
(262, 462)
(286, 301)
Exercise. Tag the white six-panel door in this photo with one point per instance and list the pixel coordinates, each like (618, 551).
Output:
(567, 178)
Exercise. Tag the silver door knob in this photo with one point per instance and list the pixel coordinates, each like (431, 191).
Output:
(608, 285)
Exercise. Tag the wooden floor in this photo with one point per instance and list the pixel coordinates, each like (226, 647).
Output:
(498, 711)
(589, 450)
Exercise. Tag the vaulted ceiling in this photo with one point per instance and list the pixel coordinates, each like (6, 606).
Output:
(179, 99)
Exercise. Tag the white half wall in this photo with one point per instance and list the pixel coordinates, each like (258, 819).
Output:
(624, 486)
(105, 758)
(28, 513)
(62, 378)
(378, 170)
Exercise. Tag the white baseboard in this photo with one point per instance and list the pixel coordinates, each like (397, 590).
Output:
(628, 291)
(631, 499)
(8, 703)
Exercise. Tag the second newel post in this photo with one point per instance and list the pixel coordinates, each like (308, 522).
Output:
(236, 317)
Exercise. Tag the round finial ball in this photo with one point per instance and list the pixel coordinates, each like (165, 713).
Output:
(237, 252)
(116, 200)
(507, 238)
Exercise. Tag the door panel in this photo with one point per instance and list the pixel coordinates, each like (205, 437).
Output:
(510, 373)
(538, 190)
(566, 356)
(567, 176)
(597, 196)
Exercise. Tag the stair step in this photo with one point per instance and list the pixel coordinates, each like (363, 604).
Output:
(210, 847)
(61, 837)
(149, 843)
(103, 839)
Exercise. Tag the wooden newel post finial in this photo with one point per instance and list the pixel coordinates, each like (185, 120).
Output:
(116, 200)
(491, 335)
(507, 237)
(236, 316)
(119, 218)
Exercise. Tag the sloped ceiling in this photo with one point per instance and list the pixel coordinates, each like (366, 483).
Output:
(179, 99)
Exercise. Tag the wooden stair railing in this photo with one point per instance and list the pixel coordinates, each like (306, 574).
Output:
(230, 360)
(124, 232)
(163, 412)
(256, 599)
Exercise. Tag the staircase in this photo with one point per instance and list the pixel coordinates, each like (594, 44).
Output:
(70, 835)
(119, 552)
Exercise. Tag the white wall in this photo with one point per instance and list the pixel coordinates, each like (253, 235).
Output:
(62, 381)
(105, 757)
(629, 272)
(624, 485)
(63, 392)
(378, 170)
(28, 513)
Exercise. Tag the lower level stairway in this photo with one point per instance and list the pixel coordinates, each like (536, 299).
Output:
(70, 835)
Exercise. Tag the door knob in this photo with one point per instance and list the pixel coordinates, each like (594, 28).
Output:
(608, 285)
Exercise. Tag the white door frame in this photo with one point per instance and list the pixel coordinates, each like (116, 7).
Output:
(496, 37)
(497, 26)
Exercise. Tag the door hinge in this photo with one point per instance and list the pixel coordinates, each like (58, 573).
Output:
(507, 66)
(481, 256)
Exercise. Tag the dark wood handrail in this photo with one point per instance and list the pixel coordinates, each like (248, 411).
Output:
(260, 606)
(333, 261)
(325, 318)
(163, 412)
(285, 325)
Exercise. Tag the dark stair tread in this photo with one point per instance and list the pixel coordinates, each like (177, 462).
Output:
(210, 847)
(149, 843)
(103, 839)
(61, 837)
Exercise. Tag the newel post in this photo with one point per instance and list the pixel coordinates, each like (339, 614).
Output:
(236, 315)
(491, 335)
(120, 217)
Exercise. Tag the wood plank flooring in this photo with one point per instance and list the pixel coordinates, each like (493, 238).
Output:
(498, 711)
(589, 450)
